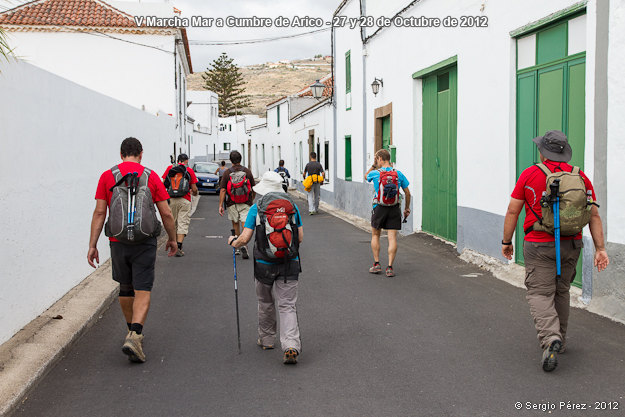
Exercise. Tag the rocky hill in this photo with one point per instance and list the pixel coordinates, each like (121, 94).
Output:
(270, 81)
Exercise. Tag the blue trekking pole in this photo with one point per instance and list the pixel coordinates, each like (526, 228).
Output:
(555, 194)
(236, 293)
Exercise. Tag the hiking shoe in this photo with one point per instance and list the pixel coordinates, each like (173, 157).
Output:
(259, 342)
(179, 253)
(389, 271)
(237, 252)
(244, 253)
(375, 269)
(290, 356)
(133, 347)
(550, 356)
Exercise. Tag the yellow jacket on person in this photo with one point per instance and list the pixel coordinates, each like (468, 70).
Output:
(310, 180)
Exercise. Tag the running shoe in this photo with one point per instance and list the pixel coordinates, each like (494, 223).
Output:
(375, 269)
(389, 271)
(244, 253)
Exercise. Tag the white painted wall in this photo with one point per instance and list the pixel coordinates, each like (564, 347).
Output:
(486, 93)
(136, 75)
(350, 122)
(616, 124)
(68, 135)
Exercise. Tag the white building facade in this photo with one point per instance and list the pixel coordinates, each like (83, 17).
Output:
(459, 107)
(100, 47)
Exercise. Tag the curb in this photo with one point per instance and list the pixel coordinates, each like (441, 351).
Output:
(30, 354)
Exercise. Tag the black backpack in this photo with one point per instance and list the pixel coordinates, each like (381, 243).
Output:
(178, 181)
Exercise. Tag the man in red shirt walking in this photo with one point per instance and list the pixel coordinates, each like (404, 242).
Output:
(132, 263)
(181, 206)
(549, 297)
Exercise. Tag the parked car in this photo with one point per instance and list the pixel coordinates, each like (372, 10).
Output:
(208, 181)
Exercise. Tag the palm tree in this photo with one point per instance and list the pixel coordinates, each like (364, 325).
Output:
(5, 50)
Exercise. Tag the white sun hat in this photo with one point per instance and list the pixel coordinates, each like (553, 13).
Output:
(271, 182)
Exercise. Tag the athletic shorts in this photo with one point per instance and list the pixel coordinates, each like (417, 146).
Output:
(134, 264)
(386, 217)
(238, 212)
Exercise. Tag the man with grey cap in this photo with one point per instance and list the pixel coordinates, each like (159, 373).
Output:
(278, 225)
(548, 296)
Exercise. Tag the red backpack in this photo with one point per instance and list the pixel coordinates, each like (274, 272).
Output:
(388, 190)
(276, 231)
(239, 187)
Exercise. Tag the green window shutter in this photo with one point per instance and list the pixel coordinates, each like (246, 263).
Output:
(348, 158)
(278, 115)
(551, 44)
(348, 71)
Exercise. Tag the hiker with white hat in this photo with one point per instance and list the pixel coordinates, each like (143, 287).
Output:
(279, 232)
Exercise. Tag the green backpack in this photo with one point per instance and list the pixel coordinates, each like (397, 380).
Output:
(575, 203)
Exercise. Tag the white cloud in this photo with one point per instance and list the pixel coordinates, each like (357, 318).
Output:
(303, 47)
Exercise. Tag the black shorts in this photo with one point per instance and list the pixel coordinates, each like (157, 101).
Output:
(134, 264)
(386, 217)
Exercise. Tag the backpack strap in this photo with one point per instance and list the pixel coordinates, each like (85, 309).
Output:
(544, 169)
(575, 170)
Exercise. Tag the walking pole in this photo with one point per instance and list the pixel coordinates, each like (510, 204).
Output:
(555, 193)
(236, 293)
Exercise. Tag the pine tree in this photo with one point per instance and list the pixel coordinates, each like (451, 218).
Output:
(225, 79)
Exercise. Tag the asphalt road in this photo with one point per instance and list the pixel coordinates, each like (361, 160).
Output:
(429, 342)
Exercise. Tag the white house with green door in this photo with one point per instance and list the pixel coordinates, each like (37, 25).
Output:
(458, 105)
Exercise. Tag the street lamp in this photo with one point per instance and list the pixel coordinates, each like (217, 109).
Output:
(375, 86)
(317, 89)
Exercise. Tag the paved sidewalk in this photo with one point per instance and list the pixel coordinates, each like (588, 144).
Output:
(441, 338)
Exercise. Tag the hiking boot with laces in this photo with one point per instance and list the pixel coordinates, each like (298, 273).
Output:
(389, 271)
(244, 253)
(290, 356)
(133, 347)
(259, 342)
(550, 356)
(375, 269)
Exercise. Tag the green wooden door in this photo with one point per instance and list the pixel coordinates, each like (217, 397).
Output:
(386, 132)
(439, 154)
(348, 158)
(550, 98)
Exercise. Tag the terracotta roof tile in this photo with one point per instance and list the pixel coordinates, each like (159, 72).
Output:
(327, 92)
(94, 13)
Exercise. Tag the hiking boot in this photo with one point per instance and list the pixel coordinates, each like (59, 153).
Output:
(389, 271)
(244, 253)
(179, 253)
(133, 347)
(259, 342)
(237, 252)
(550, 356)
(290, 356)
(375, 269)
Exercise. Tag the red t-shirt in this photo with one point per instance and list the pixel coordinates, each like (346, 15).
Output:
(107, 181)
(191, 174)
(530, 187)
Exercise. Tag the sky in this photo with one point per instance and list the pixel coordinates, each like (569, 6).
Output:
(302, 47)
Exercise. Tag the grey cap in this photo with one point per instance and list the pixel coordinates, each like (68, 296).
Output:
(554, 146)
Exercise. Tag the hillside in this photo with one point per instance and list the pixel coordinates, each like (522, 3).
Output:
(270, 81)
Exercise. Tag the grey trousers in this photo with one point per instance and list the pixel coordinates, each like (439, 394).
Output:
(286, 296)
(549, 299)
(313, 197)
